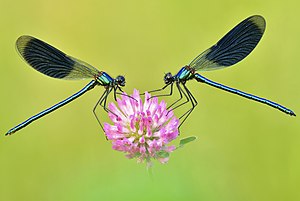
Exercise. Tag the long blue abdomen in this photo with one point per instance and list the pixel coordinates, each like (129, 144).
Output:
(88, 87)
(200, 78)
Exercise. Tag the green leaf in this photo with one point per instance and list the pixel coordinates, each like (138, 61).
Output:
(163, 154)
(186, 140)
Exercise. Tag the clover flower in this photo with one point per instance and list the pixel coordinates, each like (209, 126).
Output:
(142, 130)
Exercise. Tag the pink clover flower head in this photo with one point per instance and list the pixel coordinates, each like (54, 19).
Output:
(142, 130)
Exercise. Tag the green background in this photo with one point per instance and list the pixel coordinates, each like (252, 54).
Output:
(245, 151)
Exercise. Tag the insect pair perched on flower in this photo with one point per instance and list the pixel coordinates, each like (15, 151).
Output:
(145, 130)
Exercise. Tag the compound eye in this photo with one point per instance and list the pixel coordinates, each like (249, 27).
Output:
(120, 80)
(168, 78)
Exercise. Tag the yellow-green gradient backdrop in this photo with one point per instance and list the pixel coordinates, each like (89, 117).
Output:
(245, 151)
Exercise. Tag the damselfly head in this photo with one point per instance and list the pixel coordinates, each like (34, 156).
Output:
(120, 80)
(168, 79)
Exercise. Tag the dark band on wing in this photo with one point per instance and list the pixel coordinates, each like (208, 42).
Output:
(237, 43)
(44, 58)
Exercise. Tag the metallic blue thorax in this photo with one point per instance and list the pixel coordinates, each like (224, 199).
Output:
(104, 79)
(184, 74)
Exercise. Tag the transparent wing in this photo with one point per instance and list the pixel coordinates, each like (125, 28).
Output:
(51, 61)
(233, 47)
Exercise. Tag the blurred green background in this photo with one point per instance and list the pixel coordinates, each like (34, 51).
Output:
(245, 150)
